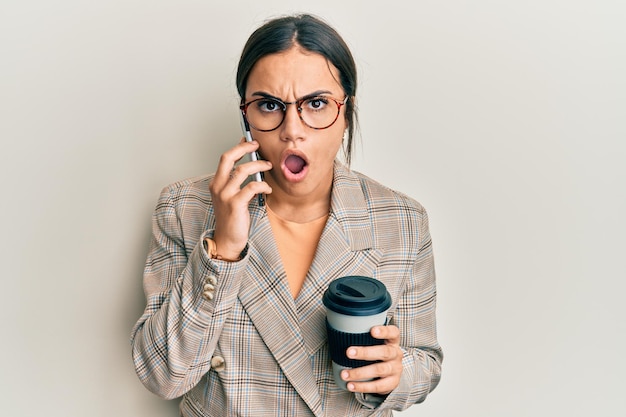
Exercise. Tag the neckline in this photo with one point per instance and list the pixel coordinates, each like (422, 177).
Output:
(274, 215)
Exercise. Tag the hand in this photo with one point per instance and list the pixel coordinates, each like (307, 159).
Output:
(385, 374)
(230, 201)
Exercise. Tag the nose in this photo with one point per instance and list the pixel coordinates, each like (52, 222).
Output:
(292, 128)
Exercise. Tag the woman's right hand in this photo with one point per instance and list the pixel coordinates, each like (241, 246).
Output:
(230, 200)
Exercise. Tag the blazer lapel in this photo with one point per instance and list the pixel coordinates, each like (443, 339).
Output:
(333, 259)
(294, 330)
(345, 248)
(266, 298)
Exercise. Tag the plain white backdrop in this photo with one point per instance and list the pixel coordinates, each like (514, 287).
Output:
(505, 119)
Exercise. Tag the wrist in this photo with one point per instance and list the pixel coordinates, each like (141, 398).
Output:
(210, 246)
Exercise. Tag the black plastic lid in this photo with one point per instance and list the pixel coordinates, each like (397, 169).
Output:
(357, 296)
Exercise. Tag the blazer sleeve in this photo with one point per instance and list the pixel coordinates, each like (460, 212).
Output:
(174, 339)
(415, 317)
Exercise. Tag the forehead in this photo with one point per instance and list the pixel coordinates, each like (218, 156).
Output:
(292, 74)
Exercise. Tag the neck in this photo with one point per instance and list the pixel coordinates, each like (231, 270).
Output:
(299, 209)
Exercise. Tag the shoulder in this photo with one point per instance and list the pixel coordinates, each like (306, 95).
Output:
(397, 219)
(189, 188)
(187, 197)
(183, 210)
(381, 197)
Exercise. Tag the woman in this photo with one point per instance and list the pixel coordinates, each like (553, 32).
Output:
(234, 318)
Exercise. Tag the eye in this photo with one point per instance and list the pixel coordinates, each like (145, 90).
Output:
(316, 103)
(269, 106)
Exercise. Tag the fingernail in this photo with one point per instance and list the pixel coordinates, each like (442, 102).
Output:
(350, 387)
(351, 352)
(345, 375)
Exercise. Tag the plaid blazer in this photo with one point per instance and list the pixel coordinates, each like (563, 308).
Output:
(247, 347)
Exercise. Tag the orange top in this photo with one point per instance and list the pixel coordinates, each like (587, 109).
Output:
(297, 243)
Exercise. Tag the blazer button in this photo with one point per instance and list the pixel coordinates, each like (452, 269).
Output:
(208, 290)
(218, 364)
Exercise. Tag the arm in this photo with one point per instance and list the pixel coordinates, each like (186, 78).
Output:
(413, 343)
(189, 296)
(173, 341)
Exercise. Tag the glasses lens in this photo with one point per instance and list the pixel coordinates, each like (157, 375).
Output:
(265, 113)
(319, 112)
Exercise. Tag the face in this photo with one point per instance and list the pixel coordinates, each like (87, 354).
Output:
(302, 157)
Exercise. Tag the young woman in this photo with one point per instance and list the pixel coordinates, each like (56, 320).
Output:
(234, 318)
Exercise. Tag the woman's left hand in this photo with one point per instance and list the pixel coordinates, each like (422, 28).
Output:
(386, 373)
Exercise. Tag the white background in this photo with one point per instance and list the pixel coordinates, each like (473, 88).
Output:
(506, 119)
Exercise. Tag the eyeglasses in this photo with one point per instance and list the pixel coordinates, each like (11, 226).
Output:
(268, 113)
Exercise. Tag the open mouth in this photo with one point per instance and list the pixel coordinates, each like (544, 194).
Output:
(295, 164)
(295, 167)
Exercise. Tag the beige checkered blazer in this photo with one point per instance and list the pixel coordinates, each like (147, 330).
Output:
(242, 345)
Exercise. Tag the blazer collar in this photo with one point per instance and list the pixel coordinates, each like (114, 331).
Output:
(294, 330)
(349, 207)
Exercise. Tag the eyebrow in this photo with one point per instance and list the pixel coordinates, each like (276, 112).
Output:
(313, 94)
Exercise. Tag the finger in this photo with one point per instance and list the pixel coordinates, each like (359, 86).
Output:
(243, 171)
(239, 174)
(379, 377)
(250, 191)
(234, 191)
(374, 370)
(390, 333)
(377, 386)
(229, 158)
(387, 352)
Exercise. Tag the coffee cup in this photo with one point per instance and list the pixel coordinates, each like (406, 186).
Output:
(354, 304)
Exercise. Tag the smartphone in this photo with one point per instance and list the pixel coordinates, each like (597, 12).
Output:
(254, 156)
